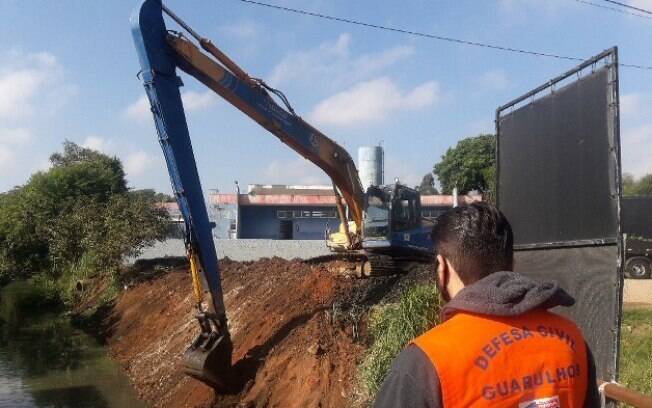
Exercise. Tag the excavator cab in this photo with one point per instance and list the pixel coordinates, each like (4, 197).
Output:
(393, 229)
(390, 210)
(377, 215)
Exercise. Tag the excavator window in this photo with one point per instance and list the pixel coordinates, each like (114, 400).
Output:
(376, 216)
(401, 215)
(405, 213)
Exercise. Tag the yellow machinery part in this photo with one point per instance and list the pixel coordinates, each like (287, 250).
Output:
(344, 239)
(194, 272)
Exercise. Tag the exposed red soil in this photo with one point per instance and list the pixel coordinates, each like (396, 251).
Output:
(292, 326)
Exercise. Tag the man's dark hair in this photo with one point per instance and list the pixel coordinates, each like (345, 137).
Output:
(476, 239)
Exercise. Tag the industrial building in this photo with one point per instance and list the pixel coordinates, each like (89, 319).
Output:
(293, 212)
(299, 212)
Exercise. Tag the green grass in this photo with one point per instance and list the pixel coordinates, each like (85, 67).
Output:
(392, 327)
(636, 350)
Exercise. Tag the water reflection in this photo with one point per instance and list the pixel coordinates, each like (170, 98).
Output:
(46, 362)
(82, 396)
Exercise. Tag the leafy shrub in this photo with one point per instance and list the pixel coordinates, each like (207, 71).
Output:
(75, 220)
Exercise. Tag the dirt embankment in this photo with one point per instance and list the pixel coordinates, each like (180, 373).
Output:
(296, 330)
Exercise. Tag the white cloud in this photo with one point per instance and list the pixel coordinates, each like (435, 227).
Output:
(373, 101)
(196, 101)
(332, 62)
(139, 110)
(18, 89)
(494, 80)
(137, 163)
(294, 171)
(31, 83)
(193, 101)
(33, 86)
(96, 143)
(134, 161)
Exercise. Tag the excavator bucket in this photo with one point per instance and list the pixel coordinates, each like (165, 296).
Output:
(208, 359)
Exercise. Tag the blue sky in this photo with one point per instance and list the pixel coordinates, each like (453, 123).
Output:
(68, 71)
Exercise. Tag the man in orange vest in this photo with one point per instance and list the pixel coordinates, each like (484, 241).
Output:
(497, 345)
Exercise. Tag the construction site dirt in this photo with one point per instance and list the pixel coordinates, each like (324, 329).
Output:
(297, 329)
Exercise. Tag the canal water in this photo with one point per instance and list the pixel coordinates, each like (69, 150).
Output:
(45, 362)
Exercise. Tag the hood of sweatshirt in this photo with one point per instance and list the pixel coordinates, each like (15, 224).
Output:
(506, 294)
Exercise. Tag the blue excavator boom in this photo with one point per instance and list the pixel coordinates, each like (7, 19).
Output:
(209, 357)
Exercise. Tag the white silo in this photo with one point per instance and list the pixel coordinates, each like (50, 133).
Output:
(370, 166)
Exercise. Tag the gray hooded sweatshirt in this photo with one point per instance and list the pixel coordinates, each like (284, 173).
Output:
(413, 381)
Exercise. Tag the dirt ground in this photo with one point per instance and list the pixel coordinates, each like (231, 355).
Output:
(295, 329)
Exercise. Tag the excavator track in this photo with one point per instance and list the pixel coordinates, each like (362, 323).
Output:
(372, 265)
(379, 265)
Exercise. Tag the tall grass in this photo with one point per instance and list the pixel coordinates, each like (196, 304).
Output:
(392, 327)
(636, 350)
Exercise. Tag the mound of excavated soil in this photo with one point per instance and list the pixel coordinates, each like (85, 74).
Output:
(295, 328)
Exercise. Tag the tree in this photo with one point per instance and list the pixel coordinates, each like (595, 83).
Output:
(644, 185)
(150, 194)
(468, 166)
(427, 186)
(633, 187)
(629, 184)
(79, 212)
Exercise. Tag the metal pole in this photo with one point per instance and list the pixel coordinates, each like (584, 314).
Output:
(237, 209)
(619, 393)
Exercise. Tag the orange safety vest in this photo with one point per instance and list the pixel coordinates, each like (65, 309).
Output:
(534, 360)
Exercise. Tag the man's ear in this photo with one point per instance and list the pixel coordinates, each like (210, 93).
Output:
(442, 267)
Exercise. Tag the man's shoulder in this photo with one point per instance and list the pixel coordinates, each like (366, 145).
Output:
(412, 360)
(411, 382)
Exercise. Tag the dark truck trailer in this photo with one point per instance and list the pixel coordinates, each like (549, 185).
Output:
(637, 225)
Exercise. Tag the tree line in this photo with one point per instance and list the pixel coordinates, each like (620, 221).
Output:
(77, 219)
(470, 165)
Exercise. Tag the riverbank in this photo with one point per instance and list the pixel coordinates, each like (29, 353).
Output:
(298, 333)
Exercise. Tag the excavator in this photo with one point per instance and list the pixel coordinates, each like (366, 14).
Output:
(382, 226)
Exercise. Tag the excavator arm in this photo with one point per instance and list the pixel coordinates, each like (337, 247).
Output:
(160, 52)
(251, 96)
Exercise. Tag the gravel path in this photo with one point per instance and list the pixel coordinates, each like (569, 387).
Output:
(245, 249)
